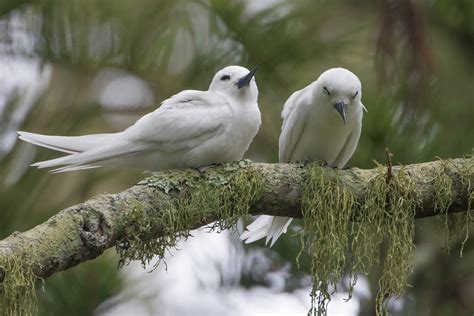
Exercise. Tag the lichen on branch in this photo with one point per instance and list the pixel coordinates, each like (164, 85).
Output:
(17, 286)
(398, 227)
(327, 207)
(349, 232)
(223, 196)
(149, 218)
(333, 217)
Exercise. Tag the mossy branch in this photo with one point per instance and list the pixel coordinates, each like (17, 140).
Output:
(84, 231)
(170, 203)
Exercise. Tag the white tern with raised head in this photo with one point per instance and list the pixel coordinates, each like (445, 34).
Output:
(190, 129)
(323, 121)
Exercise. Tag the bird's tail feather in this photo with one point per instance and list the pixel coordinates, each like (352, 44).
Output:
(92, 158)
(66, 144)
(270, 227)
(73, 168)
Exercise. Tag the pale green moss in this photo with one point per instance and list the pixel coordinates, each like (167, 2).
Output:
(17, 291)
(367, 229)
(461, 222)
(443, 196)
(327, 207)
(402, 199)
(456, 225)
(220, 194)
(336, 225)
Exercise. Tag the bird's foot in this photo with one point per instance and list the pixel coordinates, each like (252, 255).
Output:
(304, 163)
(205, 168)
(325, 164)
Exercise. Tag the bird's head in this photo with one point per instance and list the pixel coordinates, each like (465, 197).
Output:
(340, 91)
(236, 81)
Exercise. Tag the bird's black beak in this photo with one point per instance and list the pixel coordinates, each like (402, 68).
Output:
(245, 80)
(341, 109)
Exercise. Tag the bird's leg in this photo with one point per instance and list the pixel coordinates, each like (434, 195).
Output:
(204, 168)
(325, 164)
(304, 163)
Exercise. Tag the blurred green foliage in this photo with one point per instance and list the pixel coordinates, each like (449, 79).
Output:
(176, 45)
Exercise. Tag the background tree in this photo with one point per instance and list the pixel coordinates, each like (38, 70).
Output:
(80, 67)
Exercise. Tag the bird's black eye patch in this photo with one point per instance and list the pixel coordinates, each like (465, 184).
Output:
(225, 77)
(355, 94)
(326, 91)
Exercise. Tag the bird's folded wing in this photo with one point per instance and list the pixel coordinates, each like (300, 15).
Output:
(349, 146)
(183, 121)
(293, 123)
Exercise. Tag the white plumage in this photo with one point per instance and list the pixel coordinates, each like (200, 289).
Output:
(190, 129)
(323, 122)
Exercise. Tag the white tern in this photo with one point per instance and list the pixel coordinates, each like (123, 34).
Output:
(190, 129)
(322, 122)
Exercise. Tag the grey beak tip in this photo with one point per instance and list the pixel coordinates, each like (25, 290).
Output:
(341, 109)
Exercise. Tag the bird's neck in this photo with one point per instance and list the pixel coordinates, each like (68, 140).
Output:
(241, 101)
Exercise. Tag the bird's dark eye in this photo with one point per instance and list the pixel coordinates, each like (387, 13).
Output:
(355, 94)
(225, 77)
(326, 91)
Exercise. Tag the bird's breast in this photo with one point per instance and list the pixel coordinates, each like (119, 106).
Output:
(231, 142)
(321, 140)
(242, 130)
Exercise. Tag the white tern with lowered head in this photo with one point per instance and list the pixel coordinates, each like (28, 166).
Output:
(322, 122)
(190, 129)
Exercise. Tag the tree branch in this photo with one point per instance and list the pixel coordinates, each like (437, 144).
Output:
(84, 231)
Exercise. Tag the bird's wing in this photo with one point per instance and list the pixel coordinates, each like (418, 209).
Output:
(184, 120)
(293, 123)
(350, 145)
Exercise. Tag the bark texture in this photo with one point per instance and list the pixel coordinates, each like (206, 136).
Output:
(84, 231)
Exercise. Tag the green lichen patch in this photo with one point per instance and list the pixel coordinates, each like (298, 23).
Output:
(327, 207)
(222, 195)
(367, 228)
(343, 234)
(443, 196)
(179, 179)
(168, 181)
(460, 223)
(402, 199)
(17, 289)
(456, 225)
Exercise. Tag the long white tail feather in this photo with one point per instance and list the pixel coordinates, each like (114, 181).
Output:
(88, 157)
(266, 226)
(279, 226)
(36, 142)
(67, 144)
(72, 168)
(255, 236)
(258, 229)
